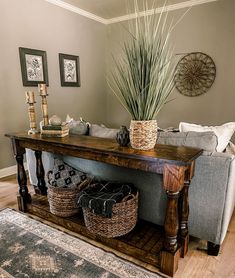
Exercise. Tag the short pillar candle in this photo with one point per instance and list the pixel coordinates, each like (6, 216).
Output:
(30, 97)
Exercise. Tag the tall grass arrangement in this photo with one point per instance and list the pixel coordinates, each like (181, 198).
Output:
(142, 77)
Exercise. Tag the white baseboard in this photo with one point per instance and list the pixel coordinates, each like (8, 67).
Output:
(10, 170)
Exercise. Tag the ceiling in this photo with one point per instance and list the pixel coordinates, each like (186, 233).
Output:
(108, 9)
(111, 11)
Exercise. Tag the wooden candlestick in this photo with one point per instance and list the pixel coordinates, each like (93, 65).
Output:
(44, 110)
(42, 88)
(31, 112)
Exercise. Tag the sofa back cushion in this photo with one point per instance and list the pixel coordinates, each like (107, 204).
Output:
(223, 132)
(102, 131)
(202, 140)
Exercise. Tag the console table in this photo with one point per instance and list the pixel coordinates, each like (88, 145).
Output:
(176, 164)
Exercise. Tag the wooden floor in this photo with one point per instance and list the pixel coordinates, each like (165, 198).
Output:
(145, 241)
(196, 264)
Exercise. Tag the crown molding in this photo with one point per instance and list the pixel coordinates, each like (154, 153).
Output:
(76, 10)
(72, 8)
(186, 4)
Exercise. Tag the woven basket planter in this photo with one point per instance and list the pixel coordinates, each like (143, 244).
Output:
(143, 134)
(123, 220)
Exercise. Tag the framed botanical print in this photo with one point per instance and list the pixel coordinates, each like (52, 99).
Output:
(69, 70)
(33, 66)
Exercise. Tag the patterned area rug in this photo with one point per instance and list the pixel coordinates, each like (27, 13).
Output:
(29, 248)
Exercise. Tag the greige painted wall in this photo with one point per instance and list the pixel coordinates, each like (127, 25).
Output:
(39, 25)
(209, 28)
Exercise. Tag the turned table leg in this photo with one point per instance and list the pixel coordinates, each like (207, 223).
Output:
(183, 216)
(184, 211)
(173, 182)
(40, 174)
(24, 197)
(171, 224)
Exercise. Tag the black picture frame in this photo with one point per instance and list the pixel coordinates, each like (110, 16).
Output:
(69, 70)
(33, 66)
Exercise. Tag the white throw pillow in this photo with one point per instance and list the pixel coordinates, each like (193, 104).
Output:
(230, 149)
(223, 132)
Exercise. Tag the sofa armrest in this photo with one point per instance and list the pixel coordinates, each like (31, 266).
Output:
(229, 200)
(212, 194)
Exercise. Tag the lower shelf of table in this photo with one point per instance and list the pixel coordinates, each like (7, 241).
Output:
(144, 242)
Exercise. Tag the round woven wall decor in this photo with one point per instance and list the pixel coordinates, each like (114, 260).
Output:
(194, 74)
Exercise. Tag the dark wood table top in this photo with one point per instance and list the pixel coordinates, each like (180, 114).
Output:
(93, 148)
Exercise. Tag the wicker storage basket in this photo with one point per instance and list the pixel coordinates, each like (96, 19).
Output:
(123, 220)
(63, 201)
(143, 134)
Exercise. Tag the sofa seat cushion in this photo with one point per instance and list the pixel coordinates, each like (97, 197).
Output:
(202, 140)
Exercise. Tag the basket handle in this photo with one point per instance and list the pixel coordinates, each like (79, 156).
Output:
(128, 197)
(85, 183)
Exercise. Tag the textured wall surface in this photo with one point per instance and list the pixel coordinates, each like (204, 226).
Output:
(208, 28)
(40, 25)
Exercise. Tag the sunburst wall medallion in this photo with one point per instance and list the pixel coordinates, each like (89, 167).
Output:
(195, 74)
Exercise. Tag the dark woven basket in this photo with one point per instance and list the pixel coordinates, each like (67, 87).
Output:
(123, 220)
(63, 201)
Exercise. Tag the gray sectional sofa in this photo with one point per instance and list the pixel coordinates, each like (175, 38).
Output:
(212, 190)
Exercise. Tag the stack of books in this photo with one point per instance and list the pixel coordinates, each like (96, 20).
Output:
(55, 130)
